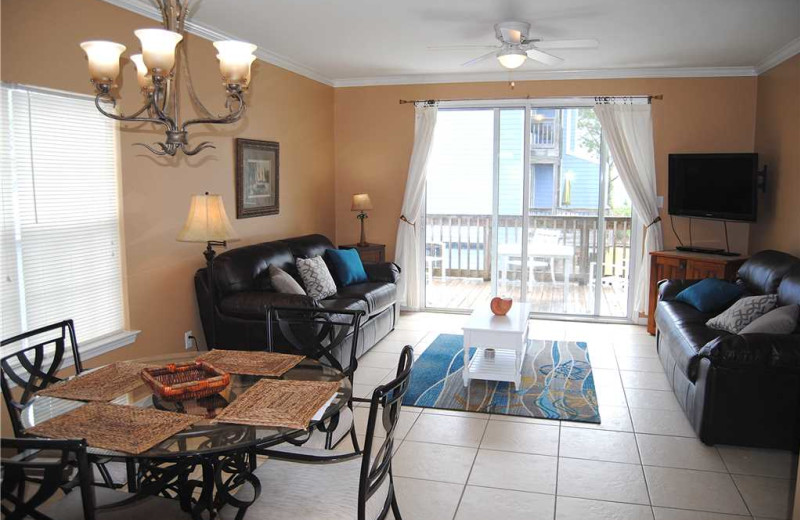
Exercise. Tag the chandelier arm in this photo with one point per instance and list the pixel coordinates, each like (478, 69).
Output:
(232, 117)
(120, 117)
(160, 114)
(163, 150)
(199, 148)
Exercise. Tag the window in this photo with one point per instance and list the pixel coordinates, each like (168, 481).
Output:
(59, 204)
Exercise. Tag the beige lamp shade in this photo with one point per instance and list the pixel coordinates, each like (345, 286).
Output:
(207, 221)
(361, 202)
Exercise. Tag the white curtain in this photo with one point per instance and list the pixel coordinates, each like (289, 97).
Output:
(407, 251)
(628, 129)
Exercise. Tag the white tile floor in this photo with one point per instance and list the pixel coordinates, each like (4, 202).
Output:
(642, 462)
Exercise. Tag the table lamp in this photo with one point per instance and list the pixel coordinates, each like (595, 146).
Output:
(207, 222)
(361, 203)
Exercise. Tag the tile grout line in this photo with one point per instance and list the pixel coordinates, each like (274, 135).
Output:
(558, 464)
(472, 466)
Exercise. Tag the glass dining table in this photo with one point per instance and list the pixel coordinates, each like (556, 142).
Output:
(206, 464)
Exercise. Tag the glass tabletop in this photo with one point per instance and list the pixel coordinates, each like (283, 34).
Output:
(205, 436)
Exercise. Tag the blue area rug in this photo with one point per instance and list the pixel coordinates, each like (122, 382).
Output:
(557, 382)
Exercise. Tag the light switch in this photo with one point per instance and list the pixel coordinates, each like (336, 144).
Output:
(660, 201)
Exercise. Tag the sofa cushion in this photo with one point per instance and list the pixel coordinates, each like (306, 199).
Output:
(709, 295)
(344, 304)
(239, 269)
(317, 279)
(789, 289)
(346, 266)
(377, 295)
(254, 304)
(282, 282)
(684, 332)
(743, 312)
(763, 272)
(308, 246)
(782, 320)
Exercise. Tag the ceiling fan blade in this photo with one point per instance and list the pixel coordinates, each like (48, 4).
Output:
(567, 44)
(543, 57)
(479, 59)
(461, 47)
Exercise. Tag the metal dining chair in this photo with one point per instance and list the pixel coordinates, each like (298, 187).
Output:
(33, 366)
(330, 337)
(32, 480)
(358, 489)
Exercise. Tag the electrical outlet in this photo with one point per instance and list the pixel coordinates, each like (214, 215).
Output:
(188, 340)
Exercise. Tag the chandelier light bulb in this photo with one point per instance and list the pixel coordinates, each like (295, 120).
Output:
(512, 58)
(158, 50)
(142, 74)
(235, 59)
(103, 59)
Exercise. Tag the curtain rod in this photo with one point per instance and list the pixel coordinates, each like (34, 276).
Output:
(598, 99)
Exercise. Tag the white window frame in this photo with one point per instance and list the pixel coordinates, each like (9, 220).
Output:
(114, 340)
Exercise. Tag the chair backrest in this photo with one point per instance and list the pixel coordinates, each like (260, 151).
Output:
(546, 236)
(376, 464)
(329, 336)
(33, 367)
(43, 463)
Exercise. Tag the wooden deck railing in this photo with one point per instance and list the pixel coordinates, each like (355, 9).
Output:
(464, 240)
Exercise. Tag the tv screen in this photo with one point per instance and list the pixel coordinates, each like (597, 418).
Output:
(718, 186)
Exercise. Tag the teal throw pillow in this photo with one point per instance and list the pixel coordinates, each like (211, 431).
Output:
(710, 294)
(346, 266)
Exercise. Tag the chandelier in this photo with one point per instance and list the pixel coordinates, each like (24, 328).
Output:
(159, 68)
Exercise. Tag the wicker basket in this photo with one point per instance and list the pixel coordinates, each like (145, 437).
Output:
(186, 381)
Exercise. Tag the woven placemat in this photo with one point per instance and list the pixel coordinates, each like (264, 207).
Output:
(253, 363)
(103, 384)
(279, 403)
(130, 429)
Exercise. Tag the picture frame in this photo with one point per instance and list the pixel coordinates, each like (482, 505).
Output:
(257, 178)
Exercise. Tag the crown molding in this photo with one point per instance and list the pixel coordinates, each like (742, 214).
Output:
(776, 58)
(675, 72)
(210, 33)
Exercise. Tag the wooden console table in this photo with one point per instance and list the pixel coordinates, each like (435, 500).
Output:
(681, 265)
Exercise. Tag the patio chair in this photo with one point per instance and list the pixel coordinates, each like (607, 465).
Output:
(361, 488)
(544, 236)
(42, 468)
(33, 367)
(331, 337)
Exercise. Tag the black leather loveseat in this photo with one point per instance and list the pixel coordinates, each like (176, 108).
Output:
(735, 389)
(243, 293)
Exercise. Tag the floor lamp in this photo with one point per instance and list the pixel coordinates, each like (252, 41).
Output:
(207, 222)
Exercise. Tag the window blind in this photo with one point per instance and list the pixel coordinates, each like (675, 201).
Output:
(60, 233)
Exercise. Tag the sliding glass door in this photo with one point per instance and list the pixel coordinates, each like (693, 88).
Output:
(525, 202)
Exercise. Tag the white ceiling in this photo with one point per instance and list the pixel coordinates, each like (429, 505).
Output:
(346, 42)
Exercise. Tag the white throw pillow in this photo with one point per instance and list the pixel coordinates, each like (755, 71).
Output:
(743, 312)
(316, 277)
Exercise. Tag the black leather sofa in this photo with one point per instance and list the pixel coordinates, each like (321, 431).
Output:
(243, 293)
(735, 389)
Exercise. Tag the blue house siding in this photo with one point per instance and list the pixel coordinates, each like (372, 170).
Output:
(585, 180)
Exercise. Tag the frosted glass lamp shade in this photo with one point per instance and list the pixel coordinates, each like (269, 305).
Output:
(103, 59)
(142, 74)
(512, 59)
(235, 59)
(207, 221)
(158, 49)
(361, 202)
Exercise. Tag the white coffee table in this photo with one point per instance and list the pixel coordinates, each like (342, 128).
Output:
(507, 335)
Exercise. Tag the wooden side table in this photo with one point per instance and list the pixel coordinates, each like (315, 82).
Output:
(682, 265)
(370, 253)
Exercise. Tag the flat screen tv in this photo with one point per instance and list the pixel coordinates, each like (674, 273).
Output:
(718, 186)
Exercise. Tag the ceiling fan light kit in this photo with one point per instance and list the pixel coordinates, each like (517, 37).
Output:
(158, 68)
(516, 47)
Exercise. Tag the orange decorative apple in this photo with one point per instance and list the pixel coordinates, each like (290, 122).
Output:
(501, 306)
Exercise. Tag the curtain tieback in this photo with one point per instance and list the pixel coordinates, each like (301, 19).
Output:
(404, 219)
(655, 221)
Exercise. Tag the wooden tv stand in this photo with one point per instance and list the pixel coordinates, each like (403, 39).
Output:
(682, 265)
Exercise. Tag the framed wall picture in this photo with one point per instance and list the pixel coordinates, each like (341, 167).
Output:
(257, 178)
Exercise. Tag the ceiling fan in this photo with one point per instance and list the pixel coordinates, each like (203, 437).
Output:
(516, 46)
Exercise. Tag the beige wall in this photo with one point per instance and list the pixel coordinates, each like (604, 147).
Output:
(40, 47)
(374, 136)
(778, 146)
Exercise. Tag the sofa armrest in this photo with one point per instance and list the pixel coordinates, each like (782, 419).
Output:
(669, 289)
(387, 272)
(754, 350)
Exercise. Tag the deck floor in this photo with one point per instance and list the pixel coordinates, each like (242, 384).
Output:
(546, 297)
